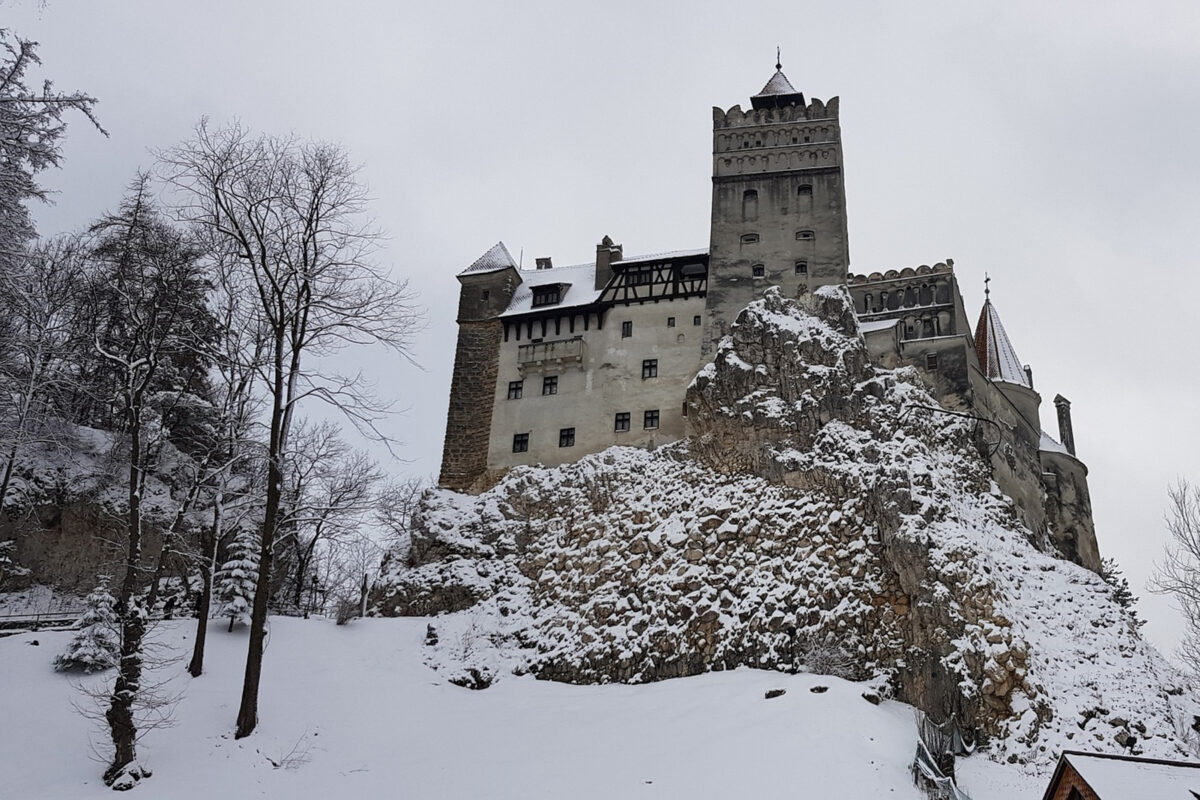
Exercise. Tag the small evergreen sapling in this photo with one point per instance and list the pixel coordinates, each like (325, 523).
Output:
(9, 568)
(1121, 593)
(235, 580)
(97, 643)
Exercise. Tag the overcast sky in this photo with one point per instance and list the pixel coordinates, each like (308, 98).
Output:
(1052, 145)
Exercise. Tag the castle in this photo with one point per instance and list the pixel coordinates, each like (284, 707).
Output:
(560, 361)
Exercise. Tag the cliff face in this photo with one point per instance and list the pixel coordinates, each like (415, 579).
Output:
(822, 516)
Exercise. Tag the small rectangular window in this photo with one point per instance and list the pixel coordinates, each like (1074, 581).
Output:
(626, 330)
(670, 322)
(931, 361)
(696, 320)
(621, 422)
(484, 295)
(521, 443)
(805, 236)
(515, 389)
(550, 384)
(650, 419)
(749, 238)
(805, 189)
(566, 437)
(801, 267)
(758, 270)
(650, 368)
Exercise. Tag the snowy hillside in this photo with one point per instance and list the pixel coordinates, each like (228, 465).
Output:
(821, 519)
(354, 713)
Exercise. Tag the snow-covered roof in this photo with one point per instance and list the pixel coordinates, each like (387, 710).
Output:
(997, 358)
(877, 325)
(1051, 445)
(664, 256)
(579, 279)
(495, 259)
(779, 84)
(1119, 777)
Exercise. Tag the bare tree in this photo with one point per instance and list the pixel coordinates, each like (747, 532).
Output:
(230, 478)
(395, 504)
(291, 213)
(39, 303)
(1178, 574)
(148, 277)
(329, 493)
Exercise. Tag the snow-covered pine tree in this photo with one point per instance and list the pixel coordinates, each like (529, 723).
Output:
(234, 581)
(97, 643)
(9, 568)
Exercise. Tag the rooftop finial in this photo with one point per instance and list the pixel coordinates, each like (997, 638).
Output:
(778, 61)
(987, 290)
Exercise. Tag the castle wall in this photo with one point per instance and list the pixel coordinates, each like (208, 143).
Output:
(482, 298)
(469, 418)
(605, 379)
(1016, 466)
(779, 204)
(1069, 508)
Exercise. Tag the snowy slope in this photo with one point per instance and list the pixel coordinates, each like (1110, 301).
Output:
(366, 718)
(821, 518)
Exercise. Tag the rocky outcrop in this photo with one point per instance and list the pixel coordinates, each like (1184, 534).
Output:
(820, 517)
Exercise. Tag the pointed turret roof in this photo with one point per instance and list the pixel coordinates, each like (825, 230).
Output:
(493, 260)
(778, 91)
(997, 357)
(779, 84)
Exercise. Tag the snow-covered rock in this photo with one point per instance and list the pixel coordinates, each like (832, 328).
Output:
(819, 518)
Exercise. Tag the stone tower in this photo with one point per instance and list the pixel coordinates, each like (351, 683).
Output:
(487, 287)
(778, 203)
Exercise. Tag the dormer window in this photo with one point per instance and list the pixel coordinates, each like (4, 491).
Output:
(547, 295)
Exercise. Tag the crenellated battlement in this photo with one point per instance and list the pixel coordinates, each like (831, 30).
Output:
(737, 118)
(907, 272)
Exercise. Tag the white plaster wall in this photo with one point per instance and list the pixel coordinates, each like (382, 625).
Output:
(609, 381)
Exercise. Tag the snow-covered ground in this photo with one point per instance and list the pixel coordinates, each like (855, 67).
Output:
(353, 712)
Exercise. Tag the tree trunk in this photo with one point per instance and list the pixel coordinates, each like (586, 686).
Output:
(208, 565)
(121, 724)
(247, 718)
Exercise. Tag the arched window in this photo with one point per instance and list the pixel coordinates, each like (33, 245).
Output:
(805, 189)
(801, 267)
(749, 238)
(749, 205)
(926, 294)
(805, 236)
(867, 303)
(758, 270)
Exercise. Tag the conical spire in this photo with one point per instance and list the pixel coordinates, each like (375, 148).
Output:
(497, 258)
(997, 357)
(778, 90)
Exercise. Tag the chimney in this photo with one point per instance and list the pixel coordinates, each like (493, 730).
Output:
(1065, 432)
(544, 263)
(606, 254)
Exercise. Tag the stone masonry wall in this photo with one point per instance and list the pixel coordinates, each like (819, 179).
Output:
(469, 419)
